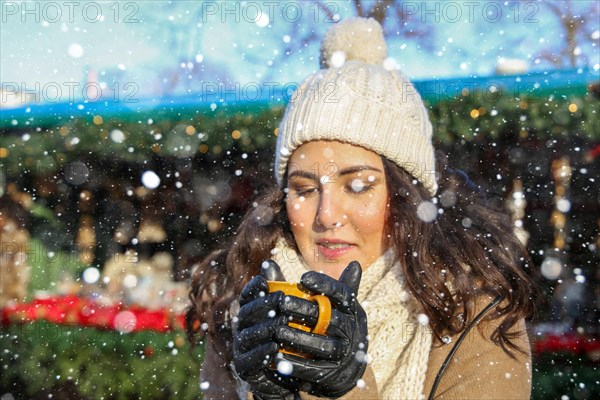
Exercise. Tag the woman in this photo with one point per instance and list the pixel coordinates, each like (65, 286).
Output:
(423, 273)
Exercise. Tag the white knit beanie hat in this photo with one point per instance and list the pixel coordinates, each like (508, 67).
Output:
(356, 99)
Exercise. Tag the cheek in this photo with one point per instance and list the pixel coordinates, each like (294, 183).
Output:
(298, 213)
(300, 223)
(372, 215)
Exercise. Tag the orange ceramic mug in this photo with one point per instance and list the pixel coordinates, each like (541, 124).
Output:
(294, 289)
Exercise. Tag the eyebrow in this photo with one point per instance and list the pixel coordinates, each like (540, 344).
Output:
(346, 171)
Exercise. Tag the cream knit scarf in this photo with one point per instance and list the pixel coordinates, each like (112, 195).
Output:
(399, 339)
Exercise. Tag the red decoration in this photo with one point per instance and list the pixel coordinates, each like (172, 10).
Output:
(568, 342)
(149, 351)
(73, 310)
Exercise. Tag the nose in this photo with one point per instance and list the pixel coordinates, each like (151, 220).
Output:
(331, 210)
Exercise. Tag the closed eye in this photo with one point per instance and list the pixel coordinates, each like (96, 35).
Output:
(304, 191)
(358, 186)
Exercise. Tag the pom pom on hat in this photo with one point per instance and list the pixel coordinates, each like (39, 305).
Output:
(355, 39)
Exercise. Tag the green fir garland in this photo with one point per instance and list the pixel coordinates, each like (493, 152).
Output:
(41, 358)
(474, 117)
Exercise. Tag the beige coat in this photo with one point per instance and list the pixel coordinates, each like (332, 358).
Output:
(479, 370)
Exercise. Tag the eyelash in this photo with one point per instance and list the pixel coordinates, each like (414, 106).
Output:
(306, 192)
(364, 189)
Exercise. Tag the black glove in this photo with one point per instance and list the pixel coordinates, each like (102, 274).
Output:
(254, 346)
(337, 360)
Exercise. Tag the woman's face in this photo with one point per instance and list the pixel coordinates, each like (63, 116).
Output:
(337, 205)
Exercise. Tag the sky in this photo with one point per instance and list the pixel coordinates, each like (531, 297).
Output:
(147, 49)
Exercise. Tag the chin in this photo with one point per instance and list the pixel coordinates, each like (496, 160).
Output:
(332, 269)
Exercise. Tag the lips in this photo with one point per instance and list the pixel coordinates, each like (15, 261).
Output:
(333, 248)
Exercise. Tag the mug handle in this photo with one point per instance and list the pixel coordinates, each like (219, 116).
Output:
(324, 314)
(320, 327)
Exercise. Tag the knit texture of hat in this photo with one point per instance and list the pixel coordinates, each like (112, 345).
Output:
(358, 98)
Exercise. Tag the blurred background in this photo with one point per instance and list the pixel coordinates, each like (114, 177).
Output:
(134, 134)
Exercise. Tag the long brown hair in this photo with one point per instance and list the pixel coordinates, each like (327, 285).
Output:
(468, 250)
(219, 279)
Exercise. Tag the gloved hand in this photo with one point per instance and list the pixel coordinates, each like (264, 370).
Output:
(254, 347)
(337, 360)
